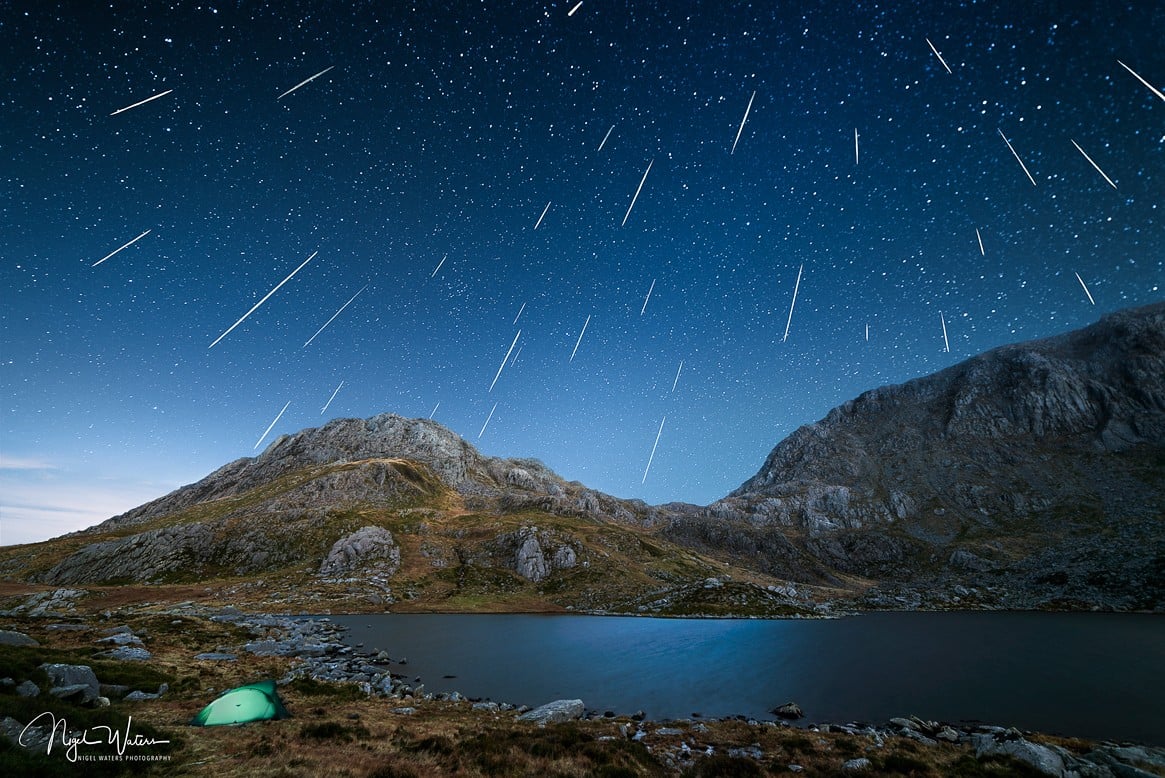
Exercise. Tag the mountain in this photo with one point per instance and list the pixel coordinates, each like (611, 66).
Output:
(366, 513)
(1030, 476)
(1037, 468)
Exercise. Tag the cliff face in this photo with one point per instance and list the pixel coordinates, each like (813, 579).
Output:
(1046, 453)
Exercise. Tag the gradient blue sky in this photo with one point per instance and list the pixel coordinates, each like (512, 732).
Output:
(443, 130)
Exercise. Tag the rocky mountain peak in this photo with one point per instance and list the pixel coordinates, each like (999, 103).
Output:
(1099, 389)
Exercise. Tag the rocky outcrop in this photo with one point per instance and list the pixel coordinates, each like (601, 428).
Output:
(556, 712)
(368, 547)
(538, 553)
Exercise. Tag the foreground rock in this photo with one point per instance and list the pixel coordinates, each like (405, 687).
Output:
(10, 638)
(556, 712)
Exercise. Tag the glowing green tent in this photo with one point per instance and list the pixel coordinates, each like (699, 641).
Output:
(253, 702)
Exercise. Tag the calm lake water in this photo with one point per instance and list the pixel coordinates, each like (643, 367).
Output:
(1089, 675)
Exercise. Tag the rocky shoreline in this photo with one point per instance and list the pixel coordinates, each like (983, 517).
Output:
(324, 656)
(312, 650)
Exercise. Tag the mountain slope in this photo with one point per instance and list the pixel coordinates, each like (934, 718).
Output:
(1030, 476)
(1041, 460)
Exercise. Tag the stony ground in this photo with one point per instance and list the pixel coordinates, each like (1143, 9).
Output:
(157, 663)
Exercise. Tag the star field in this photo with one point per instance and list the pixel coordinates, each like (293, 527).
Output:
(436, 134)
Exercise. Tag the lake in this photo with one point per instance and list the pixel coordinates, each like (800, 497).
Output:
(1082, 674)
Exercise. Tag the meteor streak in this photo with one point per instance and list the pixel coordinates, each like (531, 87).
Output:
(256, 305)
(435, 407)
(107, 256)
(946, 343)
(1090, 162)
(1152, 88)
(980, 238)
(487, 418)
(1081, 280)
(1017, 159)
(650, 458)
(543, 216)
(148, 99)
(740, 129)
(272, 424)
(442, 262)
(334, 315)
(577, 6)
(637, 191)
(649, 291)
(604, 143)
(795, 288)
(678, 369)
(329, 402)
(580, 337)
(305, 81)
(503, 364)
(855, 145)
(940, 56)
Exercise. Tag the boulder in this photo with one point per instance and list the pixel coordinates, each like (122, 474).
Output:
(1040, 757)
(10, 638)
(127, 654)
(67, 681)
(531, 561)
(367, 546)
(555, 712)
(854, 765)
(27, 689)
(790, 710)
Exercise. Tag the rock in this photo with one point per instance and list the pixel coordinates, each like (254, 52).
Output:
(364, 548)
(114, 690)
(269, 648)
(531, 561)
(555, 712)
(78, 693)
(215, 656)
(795, 768)
(128, 654)
(1040, 757)
(121, 639)
(490, 707)
(947, 734)
(854, 765)
(404, 711)
(669, 731)
(790, 710)
(10, 638)
(747, 752)
(139, 696)
(27, 689)
(903, 723)
(69, 680)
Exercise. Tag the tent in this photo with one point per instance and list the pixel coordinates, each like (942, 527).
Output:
(253, 702)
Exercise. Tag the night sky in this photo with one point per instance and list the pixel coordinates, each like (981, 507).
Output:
(438, 137)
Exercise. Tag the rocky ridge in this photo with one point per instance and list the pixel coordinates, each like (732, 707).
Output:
(1030, 476)
(1037, 467)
